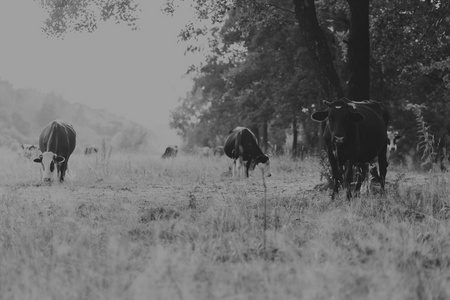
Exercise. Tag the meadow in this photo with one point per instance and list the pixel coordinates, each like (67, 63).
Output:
(134, 226)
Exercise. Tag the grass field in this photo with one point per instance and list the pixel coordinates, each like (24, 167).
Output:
(139, 227)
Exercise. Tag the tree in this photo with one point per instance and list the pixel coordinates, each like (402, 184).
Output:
(84, 15)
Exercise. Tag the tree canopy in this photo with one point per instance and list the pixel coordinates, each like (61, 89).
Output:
(283, 57)
(271, 62)
(84, 15)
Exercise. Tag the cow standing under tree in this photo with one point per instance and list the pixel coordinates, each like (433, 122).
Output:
(57, 142)
(171, 151)
(355, 133)
(242, 146)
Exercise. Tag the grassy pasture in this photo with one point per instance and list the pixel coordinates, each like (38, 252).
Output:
(139, 227)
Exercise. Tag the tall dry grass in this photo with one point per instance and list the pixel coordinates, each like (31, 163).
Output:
(134, 226)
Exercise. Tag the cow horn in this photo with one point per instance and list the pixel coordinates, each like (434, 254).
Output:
(353, 105)
(327, 103)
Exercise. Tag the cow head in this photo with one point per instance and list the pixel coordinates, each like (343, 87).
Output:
(49, 161)
(392, 136)
(340, 115)
(264, 164)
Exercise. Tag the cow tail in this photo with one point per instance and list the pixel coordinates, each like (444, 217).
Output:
(237, 143)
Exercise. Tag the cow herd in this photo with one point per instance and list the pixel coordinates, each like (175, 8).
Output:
(355, 135)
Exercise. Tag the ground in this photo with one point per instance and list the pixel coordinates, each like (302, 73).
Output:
(138, 227)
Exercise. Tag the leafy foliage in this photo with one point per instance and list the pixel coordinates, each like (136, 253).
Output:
(84, 15)
(271, 79)
(426, 143)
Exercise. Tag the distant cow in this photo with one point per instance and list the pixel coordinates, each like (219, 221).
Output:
(219, 151)
(57, 142)
(355, 133)
(171, 151)
(90, 150)
(30, 150)
(242, 146)
(206, 151)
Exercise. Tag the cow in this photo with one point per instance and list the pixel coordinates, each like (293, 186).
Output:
(171, 151)
(30, 151)
(354, 133)
(392, 138)
(57, 142)
(391, 154)
(205, 151)
(218, 151)
(90, 150)
(242, 146)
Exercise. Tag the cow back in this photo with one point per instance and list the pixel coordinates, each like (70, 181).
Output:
(58, 137)
(372, 132)
(242, 143)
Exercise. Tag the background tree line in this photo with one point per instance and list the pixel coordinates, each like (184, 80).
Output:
(272, 62)
(24, 112)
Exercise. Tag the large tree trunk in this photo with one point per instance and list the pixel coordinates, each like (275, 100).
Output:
(359, 51)
(315, 42)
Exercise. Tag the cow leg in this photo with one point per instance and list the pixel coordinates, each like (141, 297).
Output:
(362, 177)
(247, 166)
(336, 172)
(382, 165)
(239, 165)
(234, 171)
(62, 170)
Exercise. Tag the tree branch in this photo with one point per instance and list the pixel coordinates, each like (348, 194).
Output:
(280, 8)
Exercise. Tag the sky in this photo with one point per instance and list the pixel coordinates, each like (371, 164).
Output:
(139, 75)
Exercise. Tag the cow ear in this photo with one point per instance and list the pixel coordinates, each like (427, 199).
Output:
(319, 116)
(59, 159)
(356, 117)
(38, 160)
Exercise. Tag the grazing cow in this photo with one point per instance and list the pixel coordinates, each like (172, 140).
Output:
(242, 146)
(90, 150)
(219, 151)
(171, 151)
(30, 151)
(355, 133)
(57, 142)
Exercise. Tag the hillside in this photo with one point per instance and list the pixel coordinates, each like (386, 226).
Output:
(24, 112)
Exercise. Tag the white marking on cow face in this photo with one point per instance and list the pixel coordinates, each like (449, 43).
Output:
(392, 136)
(49, 162)
(265, 168)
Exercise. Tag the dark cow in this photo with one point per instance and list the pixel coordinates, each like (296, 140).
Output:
(90, 150)
(171, 151)
(242, 146)
(355, 133)
(30, 150)
(57, 142)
